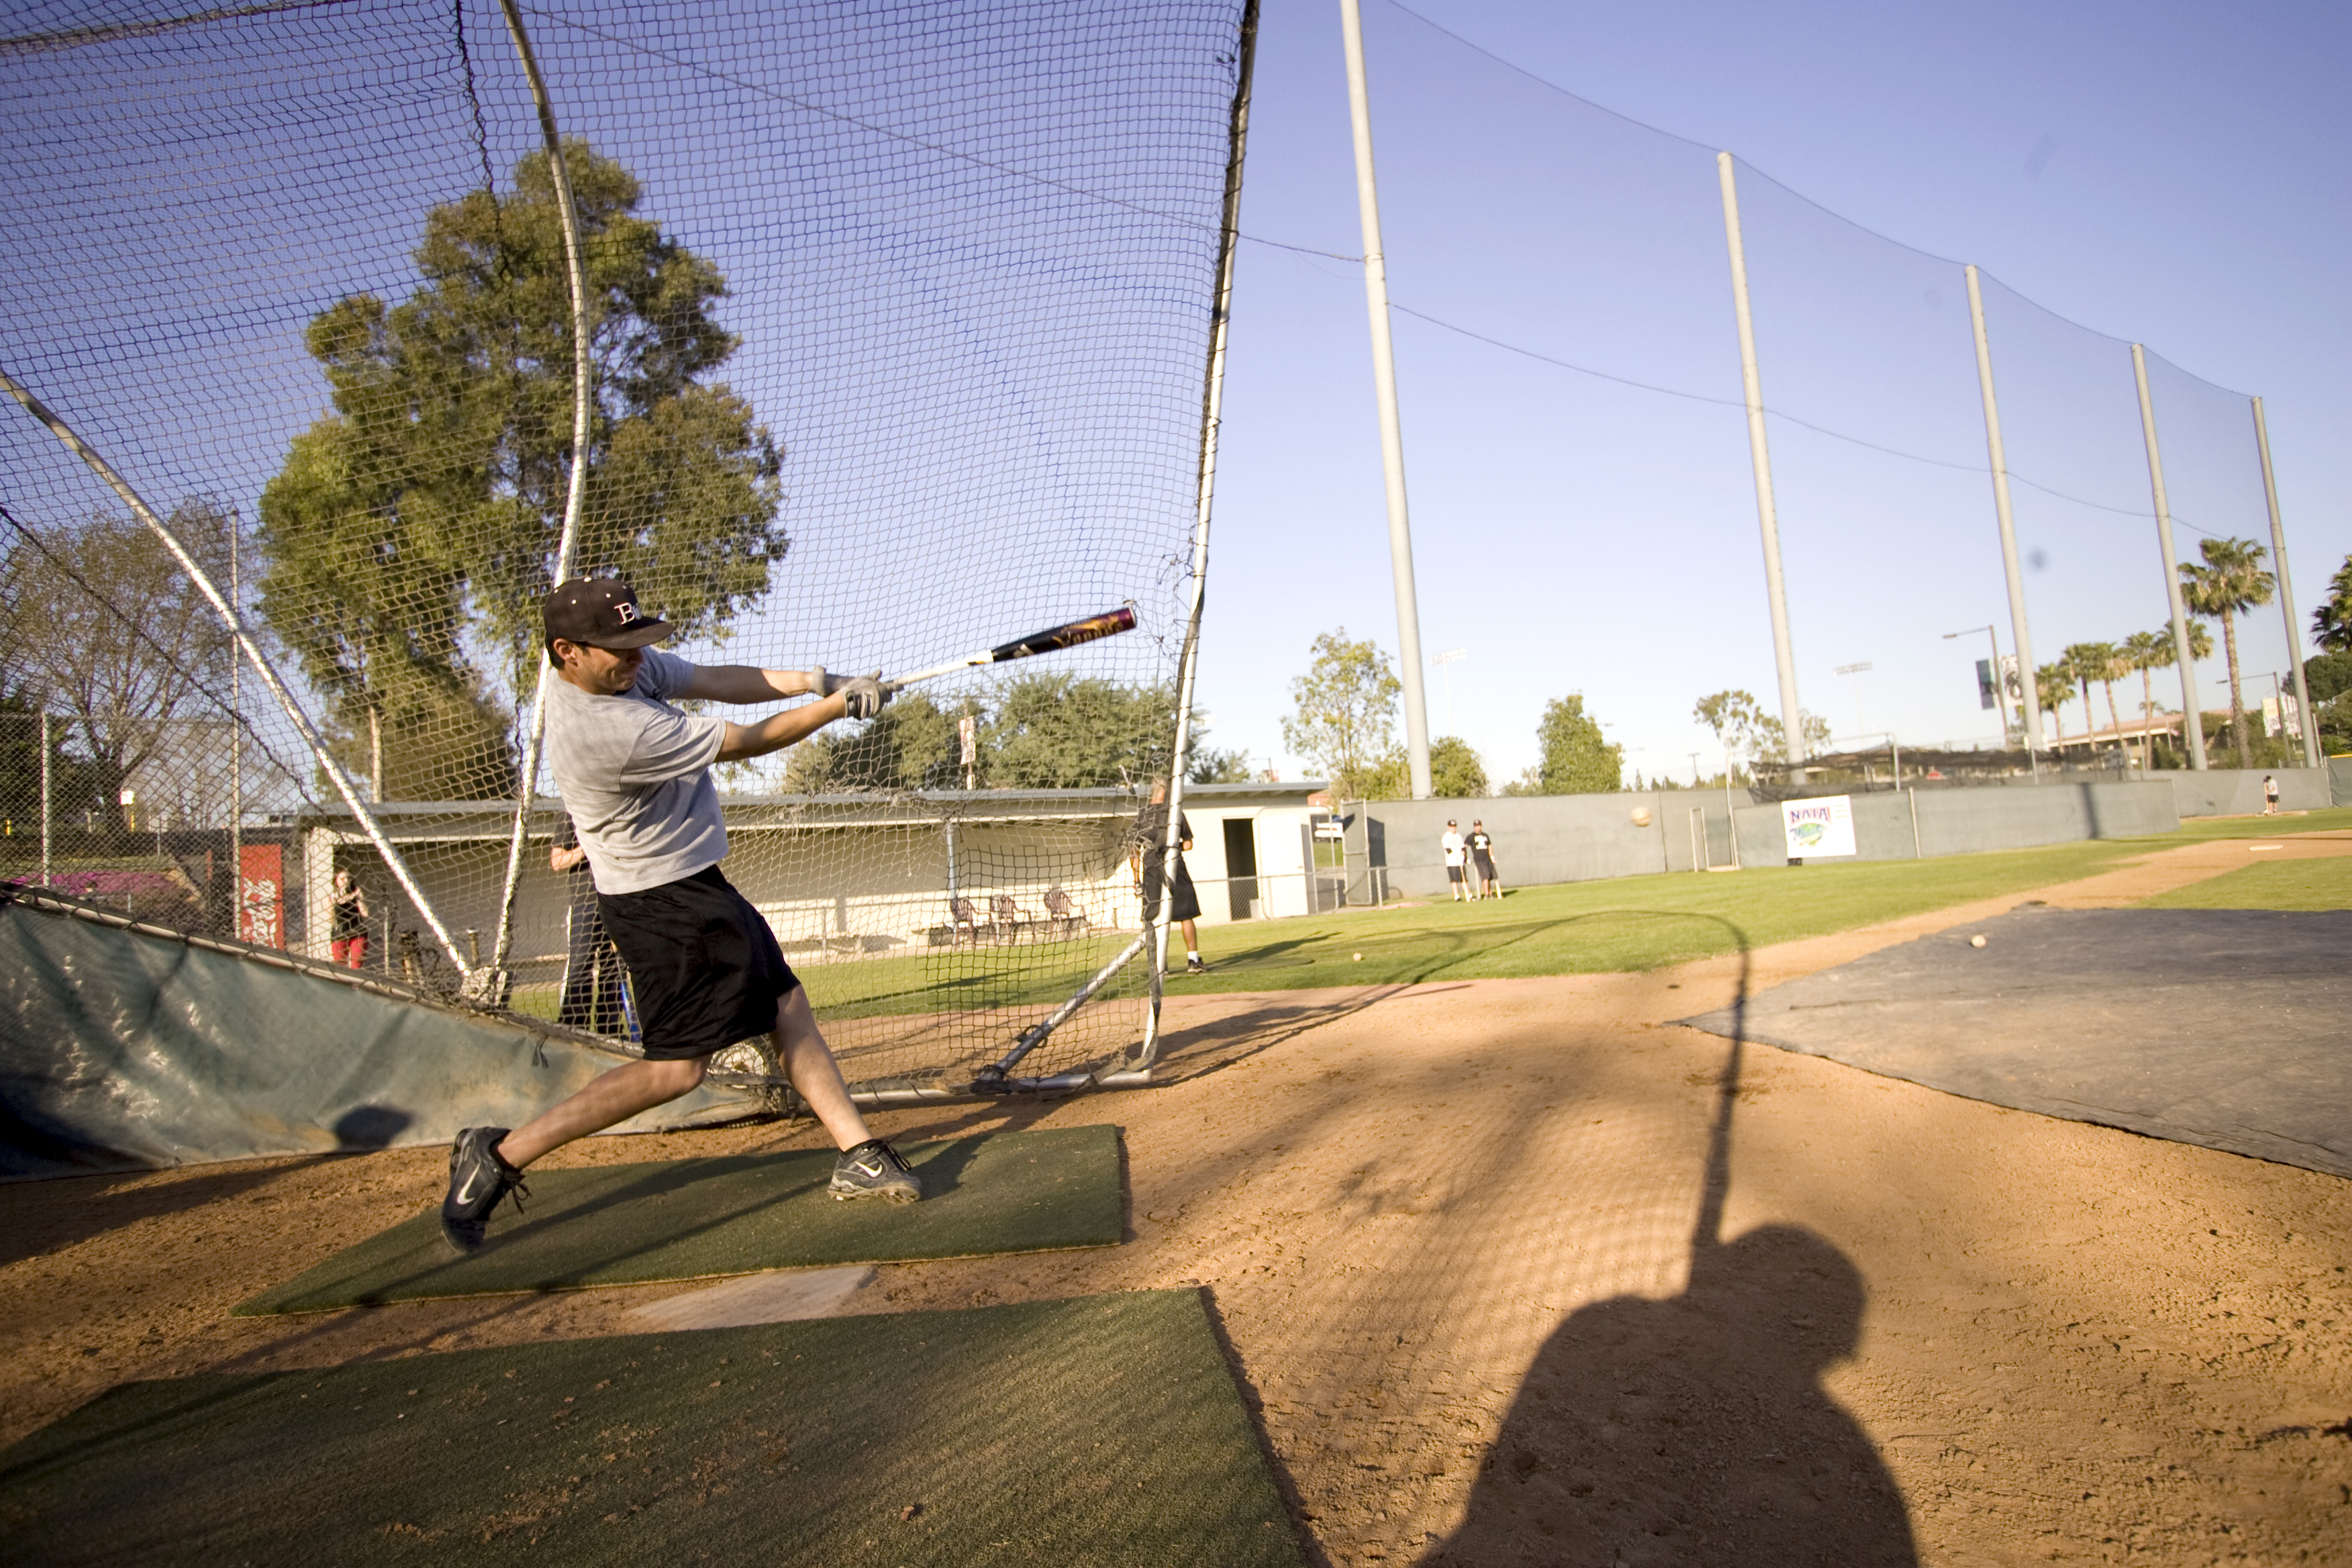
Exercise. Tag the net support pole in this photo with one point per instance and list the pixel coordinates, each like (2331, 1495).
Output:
(393, 859)
(1997, 454)
(2286, 594)
(45, 882)
(1211, 405)
(492, 981)
(1384, 389)
(2192, 721)
(1760, 453)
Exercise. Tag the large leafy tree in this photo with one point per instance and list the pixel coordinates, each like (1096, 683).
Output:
(105, 630)
(1577, 758)
(1065, 731)
(1767, 741)
(412, 530)
(1344, 704)
(2230, 581)
(1732, 715)
(1454, 770)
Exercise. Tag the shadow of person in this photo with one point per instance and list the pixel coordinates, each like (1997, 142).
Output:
(1695, 1429)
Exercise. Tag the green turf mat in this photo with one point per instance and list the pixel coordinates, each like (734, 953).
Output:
(692, 1219)
(1105, 1430)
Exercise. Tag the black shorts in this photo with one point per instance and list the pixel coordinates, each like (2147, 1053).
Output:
(706, 968)
(1484, 866)
(1453, 873)
(1187, 901)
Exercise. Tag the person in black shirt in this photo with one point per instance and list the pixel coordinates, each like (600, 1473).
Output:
(1147, 849)
(1482, 862)
(591, 969)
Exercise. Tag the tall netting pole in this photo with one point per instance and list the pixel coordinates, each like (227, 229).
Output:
(1760, 453)
(1375, 294)
(2306, 722)
(2192, 721)
(393, 860)
(492, 982)
(1211, 403)
(2019, 632)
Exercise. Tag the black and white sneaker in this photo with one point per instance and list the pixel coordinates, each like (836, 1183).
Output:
(873, 1170)
(478, 1179)
(1194, 966)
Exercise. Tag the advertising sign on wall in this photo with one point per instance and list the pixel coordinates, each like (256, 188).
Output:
(1818, 827)
(261, 894)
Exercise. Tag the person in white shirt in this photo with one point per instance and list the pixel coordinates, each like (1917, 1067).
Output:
(634, 772)
(1456, 862)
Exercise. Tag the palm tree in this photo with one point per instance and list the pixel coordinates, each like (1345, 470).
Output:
(2331, 624)
(2114, 667)
(2086, 662)
(2055, 685)
(2154, 650)
(2143, 652)
(2230, 581)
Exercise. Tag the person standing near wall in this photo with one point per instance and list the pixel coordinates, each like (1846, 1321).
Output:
(1482, 861)
(348, 937)
(591, 969)
(1147, 849)
(1456, 855)
(2270, 794)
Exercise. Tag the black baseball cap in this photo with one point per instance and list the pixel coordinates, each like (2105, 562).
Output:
(600, 612)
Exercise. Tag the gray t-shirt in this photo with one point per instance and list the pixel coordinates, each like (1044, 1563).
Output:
(634, 773)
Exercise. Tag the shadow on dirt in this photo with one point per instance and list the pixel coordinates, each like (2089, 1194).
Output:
(1696, 1429)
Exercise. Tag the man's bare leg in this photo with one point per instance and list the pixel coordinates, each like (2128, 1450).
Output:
(608, 1101)
(808, 1062)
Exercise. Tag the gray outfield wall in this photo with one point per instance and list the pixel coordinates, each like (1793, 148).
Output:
(1541, 839)
(1923, 823)
(2238, 791)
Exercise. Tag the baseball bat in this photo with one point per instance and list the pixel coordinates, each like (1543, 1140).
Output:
(1068, 635)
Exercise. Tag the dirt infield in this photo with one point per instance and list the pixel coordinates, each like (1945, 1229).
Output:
(1449, 1231)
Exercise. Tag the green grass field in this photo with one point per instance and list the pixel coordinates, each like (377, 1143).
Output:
(2308, 884)
(1629, 924)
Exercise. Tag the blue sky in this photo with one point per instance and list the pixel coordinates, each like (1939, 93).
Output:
(2164, 173)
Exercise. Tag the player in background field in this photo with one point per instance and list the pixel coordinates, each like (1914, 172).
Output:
(634, 773)
(591, 971)
(347, 937)
(1482, 861)
(2270, 796)
(1147, 849)
(1456, 855)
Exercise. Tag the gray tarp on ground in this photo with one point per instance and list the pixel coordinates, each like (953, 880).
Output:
(2230, 1028)
(122, 1051)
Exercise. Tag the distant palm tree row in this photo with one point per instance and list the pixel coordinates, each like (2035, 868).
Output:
(2230, 581)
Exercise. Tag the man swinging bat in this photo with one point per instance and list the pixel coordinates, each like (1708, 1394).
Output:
(634, 773)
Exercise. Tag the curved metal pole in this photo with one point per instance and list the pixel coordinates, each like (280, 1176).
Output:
(262, 667)
(576, 276)
(1211, 403)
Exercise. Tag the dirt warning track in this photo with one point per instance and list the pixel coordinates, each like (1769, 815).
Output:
(1454, 1237)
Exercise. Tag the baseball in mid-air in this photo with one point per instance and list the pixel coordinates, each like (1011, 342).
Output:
(1641, 816)
(1360, 958)
(1976, 940)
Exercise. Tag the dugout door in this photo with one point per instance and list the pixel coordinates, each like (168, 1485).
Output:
(1240, 865)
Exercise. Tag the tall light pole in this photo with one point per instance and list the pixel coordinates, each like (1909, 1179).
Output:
(2000, 696)
(1376, 302)
(1856, 670)
(1759, 456)
(1454, 657)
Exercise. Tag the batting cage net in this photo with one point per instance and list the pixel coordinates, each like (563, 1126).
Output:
(898, 320)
